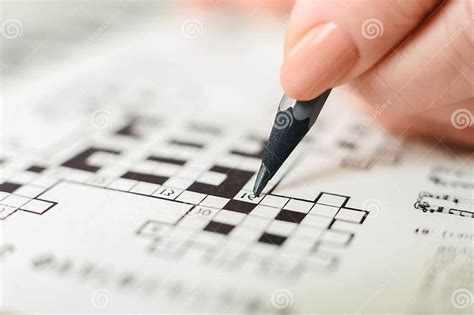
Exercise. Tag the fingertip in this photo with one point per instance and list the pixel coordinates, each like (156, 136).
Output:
(320, 60)
(293, 89)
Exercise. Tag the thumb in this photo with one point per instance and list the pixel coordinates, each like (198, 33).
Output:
(330, 42)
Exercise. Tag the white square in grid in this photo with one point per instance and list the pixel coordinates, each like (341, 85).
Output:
(193, 255)
(255, 222)
(200, 164)
(37, 206)
(248, 196)
(55, 172)
(234, 244)
(320, 260)
(214, 202)
(191, 197)
(283, 263)
(212, 178)
(167, 192)
(245, 234)
(264, 211)
(230, 253)
(99, 180)
(113, 170)
(4, 195)
(122, 184)
(248, 145)
(309, 233)
(168, 152)
(249, 165)
(274, 201)
(144, 188)
(280, 227)
(316, 221)
(80, 177)
(208, 238)
(166, 246)
(189, 173)
(205, 212)
(193, 222)
(350, 215)
(298, 245)
(165, 169)
(179, 233)
(24, 177)
(5, 211)
(298, 205)
(331, 200)
(144, 166)
(260, 249)
(229, 217)
(341, 225)
(154, 229)
(15, 201)
(340, 238)
(324, 210)
(31, 191)
(45, 181)
(177, 182)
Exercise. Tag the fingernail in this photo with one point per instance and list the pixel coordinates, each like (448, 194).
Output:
(319, 60)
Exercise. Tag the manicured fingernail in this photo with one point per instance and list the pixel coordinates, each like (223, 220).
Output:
(318, 61)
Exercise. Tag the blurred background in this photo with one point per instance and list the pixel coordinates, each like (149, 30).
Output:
(38, 32)
(192, 37)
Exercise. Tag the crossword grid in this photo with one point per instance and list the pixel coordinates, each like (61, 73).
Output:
(232, 231)
(173, 170)
(226, 225)
(23, 193)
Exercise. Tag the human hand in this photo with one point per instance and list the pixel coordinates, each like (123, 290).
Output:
(414, 58)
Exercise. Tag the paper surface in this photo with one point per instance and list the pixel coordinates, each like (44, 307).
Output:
(127, 179)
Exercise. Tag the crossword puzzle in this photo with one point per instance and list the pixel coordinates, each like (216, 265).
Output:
(174, 168)
(24, 192)
(249, 230)
(226, 225)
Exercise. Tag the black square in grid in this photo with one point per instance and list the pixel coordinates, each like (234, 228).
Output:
(36, 169)
(9, 187)
(239, 206)
(290, 216)
(273, 239)
(217, 227)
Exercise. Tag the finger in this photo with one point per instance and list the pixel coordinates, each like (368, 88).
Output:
(432, 69)
(272, 6)
(428, 80)
(449, 124)
(459, 115)
(330, 42)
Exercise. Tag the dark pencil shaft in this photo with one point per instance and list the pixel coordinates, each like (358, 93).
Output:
(292, 121)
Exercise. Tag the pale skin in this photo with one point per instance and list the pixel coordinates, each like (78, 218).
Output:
(415, 57)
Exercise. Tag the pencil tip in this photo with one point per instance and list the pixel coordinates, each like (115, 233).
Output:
(263, 176)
